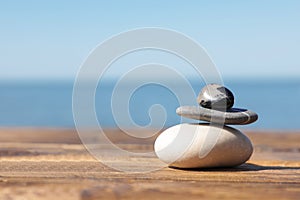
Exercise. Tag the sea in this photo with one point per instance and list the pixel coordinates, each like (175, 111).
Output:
(49, 104)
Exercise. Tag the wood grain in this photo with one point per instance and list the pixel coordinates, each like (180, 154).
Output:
(53, 164)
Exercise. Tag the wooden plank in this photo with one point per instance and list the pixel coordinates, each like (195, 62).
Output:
(52, 163)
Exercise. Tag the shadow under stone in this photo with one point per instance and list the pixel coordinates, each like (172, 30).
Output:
(243, 167)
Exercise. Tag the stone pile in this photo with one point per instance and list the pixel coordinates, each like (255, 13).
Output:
(207, 145)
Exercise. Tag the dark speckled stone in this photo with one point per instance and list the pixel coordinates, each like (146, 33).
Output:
(217, 97)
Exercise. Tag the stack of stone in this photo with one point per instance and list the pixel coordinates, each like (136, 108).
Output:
(205, 145)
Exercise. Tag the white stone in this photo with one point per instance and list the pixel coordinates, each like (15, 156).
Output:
(202, 146)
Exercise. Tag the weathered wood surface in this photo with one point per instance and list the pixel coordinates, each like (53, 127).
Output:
(53, 164)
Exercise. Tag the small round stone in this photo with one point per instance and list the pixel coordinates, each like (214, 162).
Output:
(235, 116)
(214, 96)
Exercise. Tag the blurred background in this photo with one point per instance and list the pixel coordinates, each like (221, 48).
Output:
(255, 46)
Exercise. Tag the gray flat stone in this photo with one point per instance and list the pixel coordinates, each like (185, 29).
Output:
(216, 97)
(235, 116)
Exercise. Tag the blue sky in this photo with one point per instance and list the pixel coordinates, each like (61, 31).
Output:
(51, 39)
